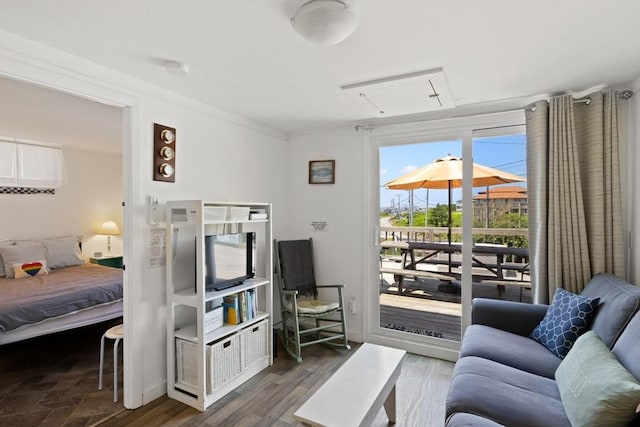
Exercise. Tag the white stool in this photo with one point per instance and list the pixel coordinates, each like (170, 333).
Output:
(116, 333)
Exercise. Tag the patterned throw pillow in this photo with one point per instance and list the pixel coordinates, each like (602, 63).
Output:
(30, 269)
(567, 318)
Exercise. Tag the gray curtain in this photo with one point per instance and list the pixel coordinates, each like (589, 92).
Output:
(573, 173)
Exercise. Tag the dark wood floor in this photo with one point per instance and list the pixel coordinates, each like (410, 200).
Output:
(53, 380)
(271, 397)
(446, 325)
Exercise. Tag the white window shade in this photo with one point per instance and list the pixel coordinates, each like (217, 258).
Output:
(30, 164)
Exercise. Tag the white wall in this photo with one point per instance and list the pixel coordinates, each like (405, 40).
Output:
(217, 161)
(338, 251)
(93, 195)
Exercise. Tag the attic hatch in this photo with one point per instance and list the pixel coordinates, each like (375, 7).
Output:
(405, 94)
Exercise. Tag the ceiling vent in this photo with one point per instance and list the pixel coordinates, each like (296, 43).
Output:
(406, 94)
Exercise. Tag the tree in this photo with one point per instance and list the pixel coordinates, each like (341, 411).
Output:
(510, 220)
(439, 216)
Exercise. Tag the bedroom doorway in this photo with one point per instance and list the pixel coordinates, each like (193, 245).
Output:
(92, 135)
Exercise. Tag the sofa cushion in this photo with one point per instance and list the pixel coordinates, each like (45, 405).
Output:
(504, 394)
(619, 301)
(461, 419)
(627, 349)
(568, 317)
(596, 390)
(509, 349)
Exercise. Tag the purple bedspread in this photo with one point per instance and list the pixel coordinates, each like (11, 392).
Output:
(62, 291)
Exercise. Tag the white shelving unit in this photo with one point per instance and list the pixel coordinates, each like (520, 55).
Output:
(203, 367)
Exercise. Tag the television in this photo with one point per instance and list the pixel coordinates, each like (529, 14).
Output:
(229, 259)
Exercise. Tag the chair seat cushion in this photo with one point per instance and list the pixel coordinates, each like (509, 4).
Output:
(505, 395)
(315, 306)
(461, 419)
(509, 349)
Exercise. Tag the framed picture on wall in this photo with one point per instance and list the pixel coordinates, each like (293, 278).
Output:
(322, 172)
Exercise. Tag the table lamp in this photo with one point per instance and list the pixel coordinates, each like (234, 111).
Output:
(109, 228)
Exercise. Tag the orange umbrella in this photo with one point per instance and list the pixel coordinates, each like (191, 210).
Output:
(446, 173)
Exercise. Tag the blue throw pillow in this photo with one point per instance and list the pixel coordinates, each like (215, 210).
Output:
(567, 318)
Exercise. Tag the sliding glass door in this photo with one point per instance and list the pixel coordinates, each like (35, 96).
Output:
(444, 232)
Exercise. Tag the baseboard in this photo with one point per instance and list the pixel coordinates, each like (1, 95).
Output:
(151, 394)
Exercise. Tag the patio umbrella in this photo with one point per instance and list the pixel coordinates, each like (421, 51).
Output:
(446, 173)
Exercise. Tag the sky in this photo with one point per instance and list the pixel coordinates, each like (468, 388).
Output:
(507, 153)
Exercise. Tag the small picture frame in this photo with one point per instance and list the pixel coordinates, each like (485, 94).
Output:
(322, 172)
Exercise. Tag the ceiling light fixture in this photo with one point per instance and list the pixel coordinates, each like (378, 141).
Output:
(324, 22)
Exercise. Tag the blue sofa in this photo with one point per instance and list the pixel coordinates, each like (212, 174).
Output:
(505, 378)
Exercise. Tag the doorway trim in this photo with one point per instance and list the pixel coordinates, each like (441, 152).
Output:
(39, 65)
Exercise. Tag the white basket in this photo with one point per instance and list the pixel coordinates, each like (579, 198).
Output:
(238, 213)
(186, 365)
(255, 343)
(215, 213)
(223, 360)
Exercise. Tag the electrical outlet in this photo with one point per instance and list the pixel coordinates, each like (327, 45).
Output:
(352, 306)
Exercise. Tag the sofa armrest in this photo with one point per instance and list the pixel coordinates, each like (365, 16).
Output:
(516, 317)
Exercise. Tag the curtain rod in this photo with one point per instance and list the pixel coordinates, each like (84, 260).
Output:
(623, 94)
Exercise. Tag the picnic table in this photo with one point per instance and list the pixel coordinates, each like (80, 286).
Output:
(495, 270)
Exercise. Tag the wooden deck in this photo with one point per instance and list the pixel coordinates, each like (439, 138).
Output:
(425, 308)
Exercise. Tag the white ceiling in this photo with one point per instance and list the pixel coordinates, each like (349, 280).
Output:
(246, 59)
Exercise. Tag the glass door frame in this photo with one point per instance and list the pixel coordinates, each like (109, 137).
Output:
(462, 129)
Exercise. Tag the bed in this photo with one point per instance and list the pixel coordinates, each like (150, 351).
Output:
(67, 297)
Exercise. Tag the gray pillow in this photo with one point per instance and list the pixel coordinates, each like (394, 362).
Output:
(4, 243)
(62, 252)
(596, 390)
(20, 254)
(619, 301)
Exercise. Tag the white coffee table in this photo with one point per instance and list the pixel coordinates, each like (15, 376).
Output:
(354, 394)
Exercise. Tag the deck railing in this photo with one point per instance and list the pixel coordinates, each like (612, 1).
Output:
(439, 234)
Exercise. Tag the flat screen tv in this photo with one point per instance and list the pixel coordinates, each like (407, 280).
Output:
(229, 259)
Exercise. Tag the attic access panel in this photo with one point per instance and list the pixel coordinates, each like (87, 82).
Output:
(406, 94)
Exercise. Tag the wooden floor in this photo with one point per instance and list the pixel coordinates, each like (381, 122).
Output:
(53, 380)
(424, 306)
(271, 397)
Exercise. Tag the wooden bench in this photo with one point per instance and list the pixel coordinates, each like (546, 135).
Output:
(400, 273)
(354, 394)
(502, 283)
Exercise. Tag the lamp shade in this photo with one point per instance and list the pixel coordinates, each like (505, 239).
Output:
(324, 22)
(109, 228)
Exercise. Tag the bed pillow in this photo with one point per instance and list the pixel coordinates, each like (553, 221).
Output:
(20, 254)
(595, 389)
(567, 318)
(30, 269)
(62, 252)
(4, 243)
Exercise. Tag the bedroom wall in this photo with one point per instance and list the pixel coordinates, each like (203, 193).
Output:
(93, 195)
